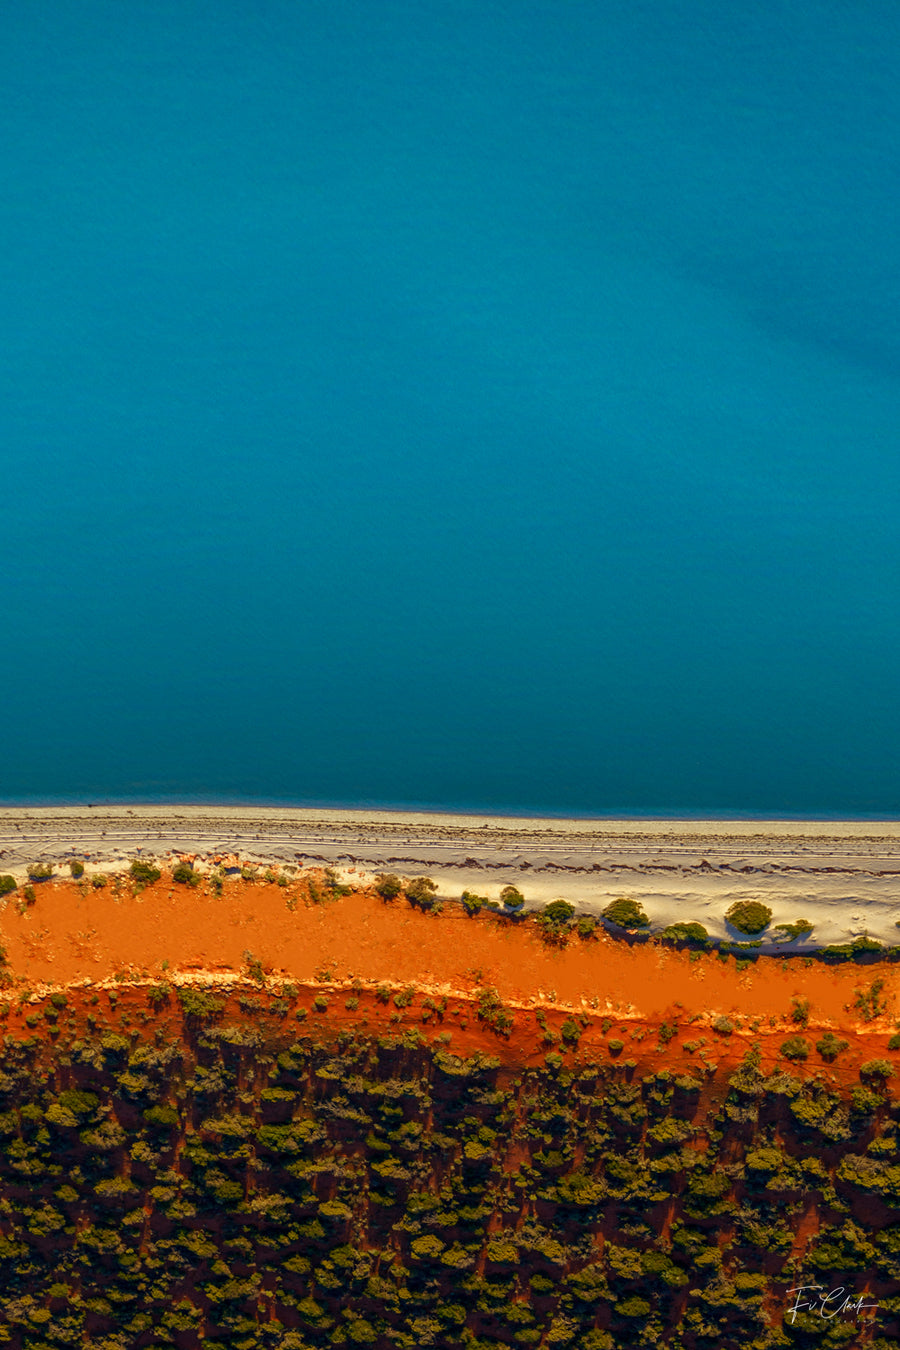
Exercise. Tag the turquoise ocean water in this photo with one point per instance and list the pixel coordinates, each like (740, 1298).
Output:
(490, 404)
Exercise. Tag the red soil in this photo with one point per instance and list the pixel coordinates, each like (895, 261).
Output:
(71, 934)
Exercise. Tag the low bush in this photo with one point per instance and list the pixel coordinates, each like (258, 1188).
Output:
(333, 883)
(876, 1068)
(473, 904)
(420, 892)
(870, 1003)
(795, 1047)
(198, 1003)
(512, 898)
(7, 885)
(749, 916)
(185, 875)
(76, 867)
(692, 933)
(848, 951)
(800, 1011)
(98, 881)
(144, 872)
(792, 931)
(40, 871)
(388, 886)
(626, 913)
(492, 1012)
(555, 920)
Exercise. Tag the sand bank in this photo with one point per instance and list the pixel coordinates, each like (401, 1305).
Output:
(843, 876)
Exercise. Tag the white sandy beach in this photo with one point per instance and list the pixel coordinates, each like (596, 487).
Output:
(843, 876)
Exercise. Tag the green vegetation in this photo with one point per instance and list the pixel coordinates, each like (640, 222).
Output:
(792, 931)
(871, 1002)
(333, 883)
(492, 1012)
(512, 898)
(473, 904)
(7, 885)
(144, 872)
(259, 1183)
(749, 916)
(185, 875)
(795, 1047)
(554, 922)
(388, 886)
(40, 871)
(691, 934)
(421, 893)
(76, 867)
(626, 913)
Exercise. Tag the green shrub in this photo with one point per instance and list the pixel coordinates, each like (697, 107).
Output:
(626, 913)
(198, 1003)
(800, 1011)
(586, 927)
(472, 903)
(876, 1068)
(40, 871)
(512, 898)
(254, 968)
(161, 1117)
(894, 1042)
(492, 1012)
(7, 885)
(792, 931)
(869, 1002)
(29, 895)
(76, 867)
(795, 1047)
(615, 1047)
(98, 881)
(723, 1025)
(570, 1031)
(555, 920)
(830, 1046)
(420, 892)
(320, 1003)
(388, 886)
(185, 875)
(143, 871)
(749, 916)
(694, 934)
(333, 883)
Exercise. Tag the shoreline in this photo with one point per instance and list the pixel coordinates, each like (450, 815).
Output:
(842, 876)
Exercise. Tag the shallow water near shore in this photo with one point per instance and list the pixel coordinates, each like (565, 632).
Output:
(497, 411)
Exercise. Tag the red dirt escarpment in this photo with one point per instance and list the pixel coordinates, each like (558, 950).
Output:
(668, 1008)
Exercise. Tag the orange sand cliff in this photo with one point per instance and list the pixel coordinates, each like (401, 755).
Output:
(73, 933)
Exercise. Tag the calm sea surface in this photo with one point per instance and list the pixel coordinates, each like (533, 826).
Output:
(477, 404)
